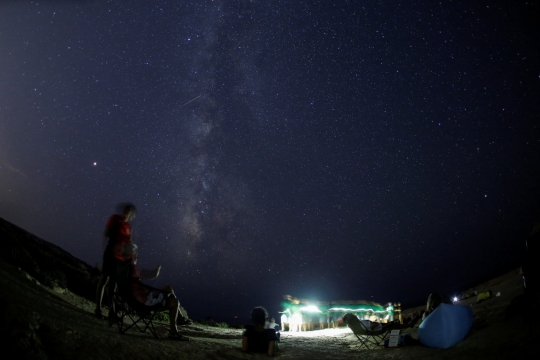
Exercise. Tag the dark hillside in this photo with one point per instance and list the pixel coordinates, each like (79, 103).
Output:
(47, 263)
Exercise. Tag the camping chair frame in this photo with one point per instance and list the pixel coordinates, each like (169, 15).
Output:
(139, 315)
(124, 306)
(368, 339)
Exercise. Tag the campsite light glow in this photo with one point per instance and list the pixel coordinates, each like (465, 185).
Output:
(356, 310)
(311, 308)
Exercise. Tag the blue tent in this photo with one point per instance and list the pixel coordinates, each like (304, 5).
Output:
(446, 326)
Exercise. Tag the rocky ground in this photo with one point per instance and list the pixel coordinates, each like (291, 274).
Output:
(54, 322)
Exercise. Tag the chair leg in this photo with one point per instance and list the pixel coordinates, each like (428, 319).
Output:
(371, 341)
(120, 310)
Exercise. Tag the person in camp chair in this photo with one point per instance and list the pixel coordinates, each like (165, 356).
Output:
(370, 325)
(374, 325)
(152, 296)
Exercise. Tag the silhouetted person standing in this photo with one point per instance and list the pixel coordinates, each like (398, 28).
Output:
(118, 231)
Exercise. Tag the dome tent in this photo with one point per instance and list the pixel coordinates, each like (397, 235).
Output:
(446, 326)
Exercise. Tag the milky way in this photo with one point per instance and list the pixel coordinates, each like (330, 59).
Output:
(327, 150)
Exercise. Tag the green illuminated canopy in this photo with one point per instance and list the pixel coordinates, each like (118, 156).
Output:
(294, 305)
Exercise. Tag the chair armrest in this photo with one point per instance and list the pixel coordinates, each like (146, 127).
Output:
(140, 283)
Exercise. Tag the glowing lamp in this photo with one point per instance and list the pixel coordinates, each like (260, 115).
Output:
(310, 308)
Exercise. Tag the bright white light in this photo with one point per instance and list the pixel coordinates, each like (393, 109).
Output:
(325, 333)
(95, 163)
(455, 298)
(310, 308)
(356, 310)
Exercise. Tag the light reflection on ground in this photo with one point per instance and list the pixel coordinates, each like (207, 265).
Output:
(316, 333)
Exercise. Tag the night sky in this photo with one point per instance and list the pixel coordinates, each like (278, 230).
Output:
(376, 150)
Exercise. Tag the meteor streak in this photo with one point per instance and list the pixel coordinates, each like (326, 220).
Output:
(189, 101)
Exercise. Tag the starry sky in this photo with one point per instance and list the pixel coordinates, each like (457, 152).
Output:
(376, 150)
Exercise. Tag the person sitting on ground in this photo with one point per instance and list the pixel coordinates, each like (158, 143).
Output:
(434, 300)
(150, 296)
(256, 338)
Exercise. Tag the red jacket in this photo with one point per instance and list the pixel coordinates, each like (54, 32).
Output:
(119, 234)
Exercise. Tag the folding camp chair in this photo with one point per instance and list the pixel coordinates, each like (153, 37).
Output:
(124, 306)
(368, 338)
